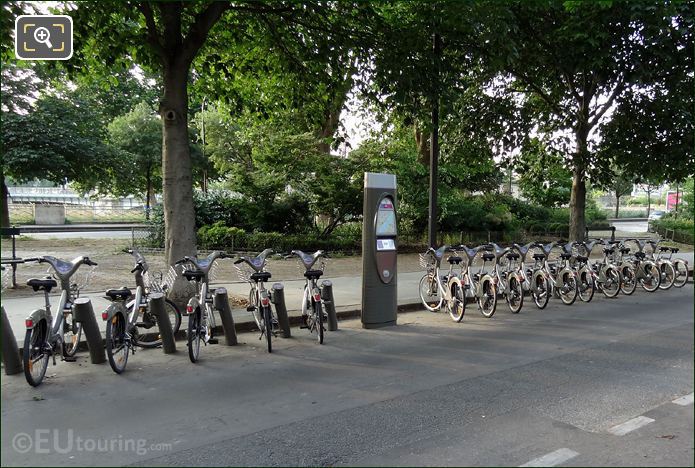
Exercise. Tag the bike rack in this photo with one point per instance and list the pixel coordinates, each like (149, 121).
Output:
(10, 352)
(221, 304)
(278, 298)
(84, 313)
(329, 302)
(165, 330)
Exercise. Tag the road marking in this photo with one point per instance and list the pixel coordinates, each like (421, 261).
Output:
(684, 400)
(553, 458)
(631, 425)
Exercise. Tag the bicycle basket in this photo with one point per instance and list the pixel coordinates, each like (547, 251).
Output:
(244, 272)
(6, 277)
(427, 261)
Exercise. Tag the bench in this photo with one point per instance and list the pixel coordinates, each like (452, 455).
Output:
(14, 260)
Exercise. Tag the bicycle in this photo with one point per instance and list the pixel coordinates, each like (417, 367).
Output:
(665, 266)
(45, 333)
(480, 285)
(259, 297)
(646, 271)
(448, 289)
(534, 280)
(562, 278)
(510, 280)
(680, 266)
(201, 320)
(313, 316)
(122, 319)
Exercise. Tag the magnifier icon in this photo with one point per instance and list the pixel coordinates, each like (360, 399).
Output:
(43, 36)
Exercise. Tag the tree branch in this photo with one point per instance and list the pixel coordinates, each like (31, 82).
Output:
(203, 22)
(538, 90)
(599, 113)
(152, 38)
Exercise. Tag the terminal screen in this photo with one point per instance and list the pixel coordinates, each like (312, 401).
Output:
(386, 218)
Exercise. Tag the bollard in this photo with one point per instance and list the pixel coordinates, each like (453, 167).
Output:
(221, 303)
(165, 330)
(281, 309)
(10, 352)
(329, 303)
(83, 313)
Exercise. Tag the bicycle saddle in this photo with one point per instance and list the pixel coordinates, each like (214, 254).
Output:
(640, 255)
(262, 276)
(664, 249)
(488, 257)
(453, 260)
(312, 274)
(118, 294)
(308, 259)
(38, 284)
(609, 250)
(582, 259)
(512, 256)
(194, 275)
(625, 250)
(674, 249)
(565, 256)
(257, 263)
(539, 256)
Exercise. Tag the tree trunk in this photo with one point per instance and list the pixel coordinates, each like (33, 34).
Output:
(177, 180)
(148, 191)
(649, 202)
(423, 146)
(617, 203)
(5, 205)
(677, 200)
(577, 230)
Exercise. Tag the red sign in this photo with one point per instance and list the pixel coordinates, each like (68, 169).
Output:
(672, 200)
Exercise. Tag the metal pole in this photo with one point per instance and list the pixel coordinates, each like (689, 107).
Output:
(165, 329)
(83, 313)
(10, 352)
(221, 303)
(329, 303)
(434, 146)
(278, 298)
(202, 122)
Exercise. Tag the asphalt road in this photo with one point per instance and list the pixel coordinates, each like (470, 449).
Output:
(101, 234)
(549, 387)
(631, 226)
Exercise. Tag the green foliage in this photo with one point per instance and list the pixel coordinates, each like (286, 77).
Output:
(543, 176)
(669, 221)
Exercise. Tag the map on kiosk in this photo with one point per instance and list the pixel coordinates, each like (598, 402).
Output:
(386, 218)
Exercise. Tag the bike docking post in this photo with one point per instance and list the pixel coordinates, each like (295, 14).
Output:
(278, 298)
(165, 330)
(329, 302)
(10, 352)
(221, 303)
(83, 313)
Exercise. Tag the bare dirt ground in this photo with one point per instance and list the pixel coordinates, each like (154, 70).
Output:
(115, 263)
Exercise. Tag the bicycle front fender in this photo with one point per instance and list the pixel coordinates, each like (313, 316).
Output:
(534, 280)
(481, 285)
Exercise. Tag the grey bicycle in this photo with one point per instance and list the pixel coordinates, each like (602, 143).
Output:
(46, 334)
(313, 316)
(259, 297)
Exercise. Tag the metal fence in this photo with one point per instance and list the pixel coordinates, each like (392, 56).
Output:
(24, 213)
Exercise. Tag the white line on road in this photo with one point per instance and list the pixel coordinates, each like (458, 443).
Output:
(631, 425)
(553, 458)
(684, 400)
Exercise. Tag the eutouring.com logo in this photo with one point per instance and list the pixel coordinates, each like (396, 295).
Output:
(46, 441)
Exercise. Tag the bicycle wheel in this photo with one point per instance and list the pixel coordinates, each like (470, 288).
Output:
(515, 295)
(457, 306)
(568, 287)
(194, 335)
(268, 326)
(611, 282)
(488, 303)
(430, 295)
(668, 275)
(628, 284)
(541, 291)
(72, 332)
(117, 350)
(652, 277)
(586, 286)
(681, 269)
(319, 321)
(151, 337)
(34, 355)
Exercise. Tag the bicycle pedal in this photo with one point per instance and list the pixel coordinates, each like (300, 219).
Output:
(66, 359)
(250, 308)
(213, 341)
